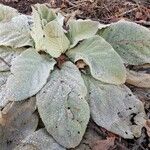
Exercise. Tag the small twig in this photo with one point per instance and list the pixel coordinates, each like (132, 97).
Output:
(144, 23)
(129, 11)
(71, 4)
(107, 9)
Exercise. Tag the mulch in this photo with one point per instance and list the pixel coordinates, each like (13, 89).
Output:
(105, 11)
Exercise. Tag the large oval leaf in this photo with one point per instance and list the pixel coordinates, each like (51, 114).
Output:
(16, 33)
(62, 106)
(105, 64)
(81, 29)
(39, 140)
(6, 13)
(130, 40)
(7, 54)
(29, 74)
(115, 108)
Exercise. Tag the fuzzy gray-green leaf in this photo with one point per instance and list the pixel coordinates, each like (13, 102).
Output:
(29, 74)
(62, 105)
(81, 29)
(130, 40)
(105, 64)
(40, 139)
(7, 13)
(112, 108)
(7, 54)
(47, 31)
(55, 40)
(16, 32)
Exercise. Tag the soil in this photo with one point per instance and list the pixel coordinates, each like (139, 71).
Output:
(23, 6)
(105, 11)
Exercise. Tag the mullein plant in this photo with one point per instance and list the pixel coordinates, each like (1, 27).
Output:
(76, 70)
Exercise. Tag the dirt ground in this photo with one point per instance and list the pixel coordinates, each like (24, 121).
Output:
(105, 11)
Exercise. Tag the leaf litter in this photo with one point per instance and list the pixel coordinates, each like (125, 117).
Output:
(17, 120)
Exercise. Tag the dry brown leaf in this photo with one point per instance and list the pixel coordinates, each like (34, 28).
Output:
(104, 144)
(138, 79)
(142, 93)
(147, 126)
(109, 134)
(92, 134)
(17, 120)
(81, 64)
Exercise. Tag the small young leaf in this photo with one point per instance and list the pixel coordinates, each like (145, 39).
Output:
(7, 13)
(39, 139)
(55, 41)
(47, 31)
(16, 33)
(29, 74)
(7, 54)
(81, 29)
(115, 108)
(49, 38)
(105, 64)
(41, 16)
(62, 105)
(45, 13)
(130, 40)
(37, 29)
